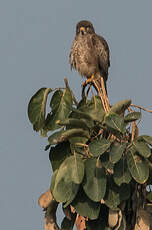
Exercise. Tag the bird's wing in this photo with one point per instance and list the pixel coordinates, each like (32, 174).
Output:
(102, 50)
(72, 54)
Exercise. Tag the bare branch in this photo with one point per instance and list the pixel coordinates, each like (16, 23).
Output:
(140, 107)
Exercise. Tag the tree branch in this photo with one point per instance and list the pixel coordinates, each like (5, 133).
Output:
(140, 107)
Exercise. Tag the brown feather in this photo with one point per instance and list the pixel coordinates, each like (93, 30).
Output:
(89, 52)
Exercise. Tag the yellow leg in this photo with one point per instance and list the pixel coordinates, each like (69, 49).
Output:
(89, 80)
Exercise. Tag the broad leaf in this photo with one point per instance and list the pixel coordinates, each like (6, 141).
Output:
(61, 105)
(64, 135)
(94, 183)
(93, 109)
(120, 106)
(133, 116)
(68, 178)
(86, 207)
(138, 167)
(37, 108)
(121, 172)
(74, 123)
(116, 152)
(84, 102)
(76, 135)
(142, 148)
(115, 194)
(54, 138)
(79, 139)
(147, 139)
(58, 154)
(78, 114)
(53, 179)
(115, 123)
(124, 192)
(98, 147)
(106, 163)
(112, 199)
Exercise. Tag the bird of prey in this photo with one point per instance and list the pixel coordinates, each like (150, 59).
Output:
(89, 53)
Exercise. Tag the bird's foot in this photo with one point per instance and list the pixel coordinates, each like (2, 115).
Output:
(89, 80)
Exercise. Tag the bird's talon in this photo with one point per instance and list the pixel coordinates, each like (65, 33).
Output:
(88, 81)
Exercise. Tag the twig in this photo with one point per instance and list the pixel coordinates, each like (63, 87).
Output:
(67, 86)
(104, 93)
(140, 107)
(88, 89)
(100, 94)
(133, 130)
(83, 90)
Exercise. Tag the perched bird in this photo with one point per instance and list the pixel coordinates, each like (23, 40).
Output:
(89, 53)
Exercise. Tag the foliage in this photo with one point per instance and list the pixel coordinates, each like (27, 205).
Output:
(97, 163)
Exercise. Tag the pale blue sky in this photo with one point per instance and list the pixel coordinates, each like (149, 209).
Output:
(35, 40)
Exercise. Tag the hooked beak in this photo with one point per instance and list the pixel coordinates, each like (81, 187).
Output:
(82, 30)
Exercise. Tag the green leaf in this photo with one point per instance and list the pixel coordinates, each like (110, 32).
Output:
(112, 199)
(75, 140)
(115, 123)
(124, 192)
(116, 194)
(96, 114)
(72, 133)
(92, 110)
(142, 148)
(98, 147)
(74, 123)
(94, 183)
(106, 163)
(61, 105)
(83, 102)
(55, 137)
(137, 166)
(121, 173)
(120, 106)
(133, 116)
(68, 224)
(37, 108)
(86, 207)
(68, 178)
(53, 179)
(58, 154)
(64, 135)
(78, 114)
(116, 152)
(147, 139)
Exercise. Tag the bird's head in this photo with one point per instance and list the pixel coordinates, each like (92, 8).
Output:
(84, 27)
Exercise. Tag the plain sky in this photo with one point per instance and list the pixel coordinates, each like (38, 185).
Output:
(35, 40)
